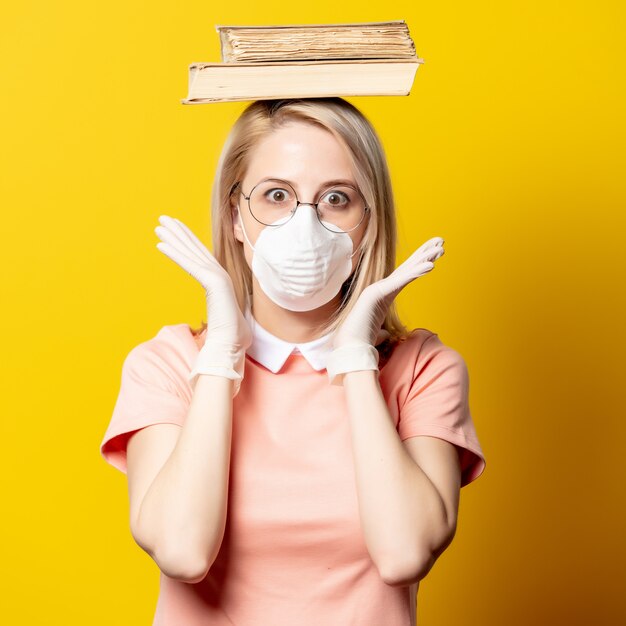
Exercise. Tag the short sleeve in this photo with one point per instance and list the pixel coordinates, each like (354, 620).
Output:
(437, 405)
(148, 395)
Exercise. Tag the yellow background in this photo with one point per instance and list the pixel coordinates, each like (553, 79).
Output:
(510, 146)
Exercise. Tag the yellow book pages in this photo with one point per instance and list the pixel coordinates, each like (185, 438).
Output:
(222, 82)
(368, 40)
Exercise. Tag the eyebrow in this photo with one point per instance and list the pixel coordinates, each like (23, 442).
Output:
(325, 185)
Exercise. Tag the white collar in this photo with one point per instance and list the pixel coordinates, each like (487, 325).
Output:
(272, 352)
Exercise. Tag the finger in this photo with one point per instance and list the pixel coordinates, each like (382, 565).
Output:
(167, 236)
(198, 271)
(194, 239)
(419, 263)
(431, 252)
(431, 243)
(434, 254)
(172, 233)
(398, 280)
(385, 291)
(416, 260)
(179, 239)
(184, 243)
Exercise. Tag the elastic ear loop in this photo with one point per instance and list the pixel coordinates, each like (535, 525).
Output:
(243, 227)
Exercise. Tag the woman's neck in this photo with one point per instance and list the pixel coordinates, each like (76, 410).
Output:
(292, 326)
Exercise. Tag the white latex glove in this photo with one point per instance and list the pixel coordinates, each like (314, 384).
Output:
(228, 333)
(355, 340)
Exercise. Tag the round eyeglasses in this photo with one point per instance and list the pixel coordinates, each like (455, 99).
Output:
(273, 202)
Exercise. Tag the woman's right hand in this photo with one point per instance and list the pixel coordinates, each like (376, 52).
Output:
(228, 333)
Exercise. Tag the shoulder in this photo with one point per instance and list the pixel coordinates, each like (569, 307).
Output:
(169, 354)
(420, 355)
(154, 389)
(420, 346)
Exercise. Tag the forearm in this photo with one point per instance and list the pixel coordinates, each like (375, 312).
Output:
(183, 514)
(402, 514)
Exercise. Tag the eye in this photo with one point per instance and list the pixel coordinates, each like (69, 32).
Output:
(277, 195)
(335, 198)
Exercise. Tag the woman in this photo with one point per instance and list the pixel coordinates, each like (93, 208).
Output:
(298, 459)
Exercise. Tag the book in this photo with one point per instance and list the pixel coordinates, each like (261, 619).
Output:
(223, 82)
(307, 42)
(307, 61)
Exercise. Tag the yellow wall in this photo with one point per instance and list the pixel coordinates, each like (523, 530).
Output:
(510, 146)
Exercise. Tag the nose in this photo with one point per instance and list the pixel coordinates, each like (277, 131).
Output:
(313, 206)
(308, 218)
(308, 203)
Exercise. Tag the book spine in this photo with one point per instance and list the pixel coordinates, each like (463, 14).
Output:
(226, 50)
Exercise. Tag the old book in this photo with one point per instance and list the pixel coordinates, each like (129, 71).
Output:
(302, 42)
(222, 82)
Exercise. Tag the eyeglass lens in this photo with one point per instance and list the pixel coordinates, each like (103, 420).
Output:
(340, 207)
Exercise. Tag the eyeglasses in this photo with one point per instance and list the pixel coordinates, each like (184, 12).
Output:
(273, 202)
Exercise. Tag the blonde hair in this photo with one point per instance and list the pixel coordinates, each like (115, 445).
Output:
(352, 129)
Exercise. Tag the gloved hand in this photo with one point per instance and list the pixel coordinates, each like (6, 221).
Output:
(228, 333)
(355, 340)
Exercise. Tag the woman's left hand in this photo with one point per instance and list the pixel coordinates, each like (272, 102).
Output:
(363, 325)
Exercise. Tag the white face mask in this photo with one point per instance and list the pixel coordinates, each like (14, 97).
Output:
(301, 265)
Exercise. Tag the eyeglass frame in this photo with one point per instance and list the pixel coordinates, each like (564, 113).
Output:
(366, 209)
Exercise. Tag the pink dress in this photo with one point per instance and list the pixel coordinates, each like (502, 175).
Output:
(293, 550)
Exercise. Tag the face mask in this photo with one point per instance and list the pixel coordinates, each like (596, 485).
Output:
(301, 265)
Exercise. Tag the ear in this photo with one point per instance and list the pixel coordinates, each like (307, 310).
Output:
(236, 218)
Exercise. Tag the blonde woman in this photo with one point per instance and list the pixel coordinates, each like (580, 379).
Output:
(298, 459)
